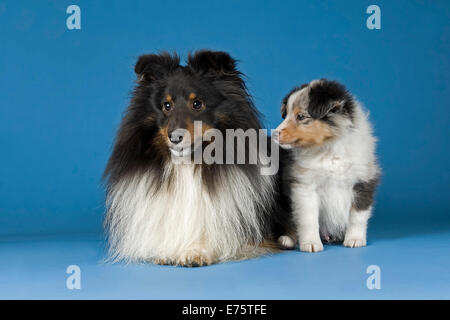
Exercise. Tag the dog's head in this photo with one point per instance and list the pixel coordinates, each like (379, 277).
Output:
(314, 114)
(172, 98)
(166, 104)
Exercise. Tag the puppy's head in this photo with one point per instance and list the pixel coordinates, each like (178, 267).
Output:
(172, 98)
(314, 114)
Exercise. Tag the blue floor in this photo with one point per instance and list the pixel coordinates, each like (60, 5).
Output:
(414, 262)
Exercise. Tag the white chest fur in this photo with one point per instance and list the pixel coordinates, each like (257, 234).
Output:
(331, 180)
(147, 224)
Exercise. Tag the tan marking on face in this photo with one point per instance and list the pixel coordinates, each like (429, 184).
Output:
(296, 109)
(150, 119)
(169, 98)
(190, 128)
(164, 131)
(191, 98)
(161, 141)
(205, 128)
(304, 135)
(223, 119)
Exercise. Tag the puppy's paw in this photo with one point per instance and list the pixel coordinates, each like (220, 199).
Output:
(355, 242)
(286, 242)
(194, 258)
(311, 246)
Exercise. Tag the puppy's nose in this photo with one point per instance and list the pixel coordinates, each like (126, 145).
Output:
(176, 136)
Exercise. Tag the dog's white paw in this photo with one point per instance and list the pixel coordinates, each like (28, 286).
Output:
(286, 242)
(355, 243)
(194, 258)
(311, 246)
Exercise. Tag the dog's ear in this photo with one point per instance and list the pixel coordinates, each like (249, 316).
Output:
(205, 61)
(150, 67)
(336, 106)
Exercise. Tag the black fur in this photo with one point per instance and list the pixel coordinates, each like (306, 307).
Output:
(364, 193)
(329, 97)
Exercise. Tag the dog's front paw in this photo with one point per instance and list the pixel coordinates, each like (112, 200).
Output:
(355, 242)
(194, 258)
(161, 261)
(286, 242)
(311, 246)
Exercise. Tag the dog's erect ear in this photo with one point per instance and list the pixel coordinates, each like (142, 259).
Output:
(206, 61)
(336, 106)
(150, 67)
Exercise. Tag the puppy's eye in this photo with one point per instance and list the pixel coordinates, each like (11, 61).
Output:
(167, 106)
(197, 104)
(300, 117)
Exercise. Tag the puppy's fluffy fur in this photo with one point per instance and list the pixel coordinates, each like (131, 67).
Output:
(334, 172)
(186, 214)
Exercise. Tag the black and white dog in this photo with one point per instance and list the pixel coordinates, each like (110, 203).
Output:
(187, 214)
(334, 172)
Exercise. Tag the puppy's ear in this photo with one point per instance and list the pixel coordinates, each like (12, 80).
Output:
(150, 67)
(336, 106)
(218, 61)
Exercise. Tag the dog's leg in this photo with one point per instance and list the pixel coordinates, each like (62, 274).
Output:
(306, 214)
(356, 233)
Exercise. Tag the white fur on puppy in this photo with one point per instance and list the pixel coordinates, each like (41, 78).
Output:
(334, 172)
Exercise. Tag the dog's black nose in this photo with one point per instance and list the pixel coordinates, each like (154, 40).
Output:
(176, 136)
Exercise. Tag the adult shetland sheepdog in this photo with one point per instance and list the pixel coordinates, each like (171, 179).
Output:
(177, 213)
(334, 172)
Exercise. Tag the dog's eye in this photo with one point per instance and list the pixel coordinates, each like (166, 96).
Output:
(300, 117)
(167, 106)
(196, 104)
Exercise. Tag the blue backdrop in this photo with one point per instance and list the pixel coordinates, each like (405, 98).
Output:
(62, 92)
